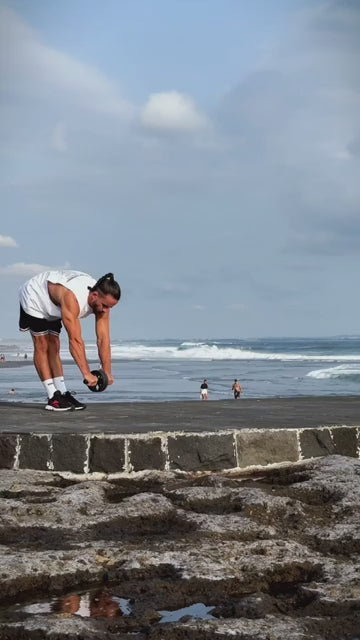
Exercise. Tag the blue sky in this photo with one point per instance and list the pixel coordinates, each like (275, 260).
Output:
(206, 152)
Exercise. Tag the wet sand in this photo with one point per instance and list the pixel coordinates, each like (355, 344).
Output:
(15, 364)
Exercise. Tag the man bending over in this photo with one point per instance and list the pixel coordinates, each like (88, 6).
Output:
(55, 298)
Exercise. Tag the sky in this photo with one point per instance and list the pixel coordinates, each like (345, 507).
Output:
(207, 152)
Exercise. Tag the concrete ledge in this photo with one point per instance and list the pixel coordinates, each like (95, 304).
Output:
(211, 451)
(106, 454)
(8, 444)
(146, 453)
(34, 452)
(69, 452)
(258, 448)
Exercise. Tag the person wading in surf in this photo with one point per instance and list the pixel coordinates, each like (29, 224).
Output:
(236, 388)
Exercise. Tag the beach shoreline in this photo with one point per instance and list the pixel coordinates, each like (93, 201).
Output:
(15, 364)
(172, 370)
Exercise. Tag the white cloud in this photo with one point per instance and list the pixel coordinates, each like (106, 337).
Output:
(172, 111)
(59, 137)
(28, 67)
(25, 269)
(294, 125)
(7, 241)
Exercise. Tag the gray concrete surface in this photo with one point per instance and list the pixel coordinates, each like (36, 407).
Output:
(188, 436)
(185, 416)
(179, 450)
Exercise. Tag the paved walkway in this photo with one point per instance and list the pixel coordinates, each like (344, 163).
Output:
(126, 418)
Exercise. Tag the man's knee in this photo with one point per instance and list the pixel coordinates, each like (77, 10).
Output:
(46, 344)
(41, 344)
(54, 343)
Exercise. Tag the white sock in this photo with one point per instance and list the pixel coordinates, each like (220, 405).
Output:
(60, 384)
(49, 387)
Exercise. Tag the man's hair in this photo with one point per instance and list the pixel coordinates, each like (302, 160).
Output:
(107, 286)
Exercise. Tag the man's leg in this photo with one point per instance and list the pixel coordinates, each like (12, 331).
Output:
(41, 356)
(55, 363)
(47, 363)
(58, 373)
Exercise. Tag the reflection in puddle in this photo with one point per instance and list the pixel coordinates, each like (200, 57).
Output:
(103, 604)
(198, 610)
(98, 604)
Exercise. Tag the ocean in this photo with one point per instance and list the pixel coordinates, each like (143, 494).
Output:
(173, 369)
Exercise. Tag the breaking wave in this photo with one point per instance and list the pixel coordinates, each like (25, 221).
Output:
(210, 351)
(350, 372)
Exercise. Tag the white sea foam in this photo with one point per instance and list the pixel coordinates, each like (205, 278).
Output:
(192, 344)
(341, 371)
(326, 351)
(203, 351)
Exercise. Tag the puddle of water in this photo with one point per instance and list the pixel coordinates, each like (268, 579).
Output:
(98, 604)
(198, 610)
(102, 604)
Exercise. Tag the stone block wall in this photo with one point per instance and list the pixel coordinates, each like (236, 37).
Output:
(208, 451)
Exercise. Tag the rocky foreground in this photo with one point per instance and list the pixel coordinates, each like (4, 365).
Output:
(268, 556)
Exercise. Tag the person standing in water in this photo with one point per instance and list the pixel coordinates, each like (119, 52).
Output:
(236, 388)
(204, 390)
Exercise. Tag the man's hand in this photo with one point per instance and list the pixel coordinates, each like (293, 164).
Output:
(91, 380)
(110, 378)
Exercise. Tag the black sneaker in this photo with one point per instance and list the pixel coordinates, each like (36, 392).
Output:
(73, 401)
(58, 403)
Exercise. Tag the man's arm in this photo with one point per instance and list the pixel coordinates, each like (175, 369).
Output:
(102, 328)
(69, 315)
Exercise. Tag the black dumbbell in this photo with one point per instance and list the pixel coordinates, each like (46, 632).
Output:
(102, 382)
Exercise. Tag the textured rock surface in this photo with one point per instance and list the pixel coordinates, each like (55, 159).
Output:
(272, 556)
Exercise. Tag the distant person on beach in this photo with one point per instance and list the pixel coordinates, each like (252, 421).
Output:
(236, 388)
(2, 358)
(12, 392)
(204, 390)
(55, 298)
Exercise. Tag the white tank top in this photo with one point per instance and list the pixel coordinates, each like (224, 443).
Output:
(35, 300)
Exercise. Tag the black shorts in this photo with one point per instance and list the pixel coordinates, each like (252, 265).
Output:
(38, 326)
